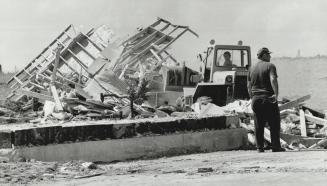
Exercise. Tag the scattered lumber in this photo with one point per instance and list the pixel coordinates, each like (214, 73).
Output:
(316, 120)
(303, 124)
(294, 103)
(267, 136)
(321, 142)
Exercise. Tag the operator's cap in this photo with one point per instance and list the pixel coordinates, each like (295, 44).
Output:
(262, 51)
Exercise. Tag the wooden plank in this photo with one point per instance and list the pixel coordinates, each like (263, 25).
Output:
(171, 57)
(61, 43)
(303, 124)
(316, 120)
(27, 72)
(56, 98)
(294, 103)
(36, 85)
(311, 126)
(18, 80)
(156, 55)
(321, 142)
(267, 136)
(35, 95)
(314, 112)
(56, 64)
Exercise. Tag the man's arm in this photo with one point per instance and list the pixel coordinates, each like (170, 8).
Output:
(249, 89)
(273, 80)
(249, 85)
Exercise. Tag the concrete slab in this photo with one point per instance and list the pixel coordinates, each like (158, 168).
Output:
(137, 147)
(36, 135)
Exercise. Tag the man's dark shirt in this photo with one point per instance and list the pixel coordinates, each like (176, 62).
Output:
(259, 77)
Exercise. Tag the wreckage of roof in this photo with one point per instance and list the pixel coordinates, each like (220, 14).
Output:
(95, 63)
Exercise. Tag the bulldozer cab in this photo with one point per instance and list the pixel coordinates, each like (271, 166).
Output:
(224, 73)
(226, 58)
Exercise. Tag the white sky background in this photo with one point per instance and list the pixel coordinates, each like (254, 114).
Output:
(28, 26)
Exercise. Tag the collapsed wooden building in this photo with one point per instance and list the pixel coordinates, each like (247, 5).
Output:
(94, 64)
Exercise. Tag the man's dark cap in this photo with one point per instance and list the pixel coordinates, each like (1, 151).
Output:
(262, 51)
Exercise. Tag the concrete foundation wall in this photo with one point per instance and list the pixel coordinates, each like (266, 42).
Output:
(139, 147)
(40, 135)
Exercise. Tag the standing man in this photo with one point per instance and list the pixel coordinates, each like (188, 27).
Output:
(263, 89)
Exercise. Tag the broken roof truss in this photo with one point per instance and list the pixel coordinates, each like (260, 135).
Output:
(149, 47)
(82, 62)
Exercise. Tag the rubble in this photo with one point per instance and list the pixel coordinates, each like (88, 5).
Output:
(97, 76)
(295, 130)
(80, 76)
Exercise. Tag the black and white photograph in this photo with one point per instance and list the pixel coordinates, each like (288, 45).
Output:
(163, 92)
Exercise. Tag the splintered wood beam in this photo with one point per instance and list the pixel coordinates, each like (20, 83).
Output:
(294, 103)
(303, 126)
(321, 142)
(170, 56)
(37, 85)
(61, 43)
(18, 80)
(56, 98)
(45, 58)
(316, 120)
(27, 72)
(156, 55)
(80, 75)
(35, 95)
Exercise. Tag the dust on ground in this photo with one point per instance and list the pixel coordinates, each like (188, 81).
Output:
(221, 168)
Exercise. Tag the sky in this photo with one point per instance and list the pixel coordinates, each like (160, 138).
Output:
(28, 26)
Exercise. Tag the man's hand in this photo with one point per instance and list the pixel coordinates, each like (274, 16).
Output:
(273, 98)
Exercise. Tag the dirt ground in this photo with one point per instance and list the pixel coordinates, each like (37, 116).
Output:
(218, 168)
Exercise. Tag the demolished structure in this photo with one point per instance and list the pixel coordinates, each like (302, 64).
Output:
(80, 78)
(95, 67)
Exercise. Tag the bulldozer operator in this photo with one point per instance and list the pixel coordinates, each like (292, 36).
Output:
(228, 62)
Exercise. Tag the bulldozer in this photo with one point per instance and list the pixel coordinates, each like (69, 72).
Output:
(222, 81)
(223, 74)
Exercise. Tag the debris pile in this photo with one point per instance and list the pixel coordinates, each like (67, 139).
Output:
(96, 75)
(31, 171)
(301, 126)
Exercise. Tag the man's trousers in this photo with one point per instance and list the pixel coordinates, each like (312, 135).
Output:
(266, 111)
